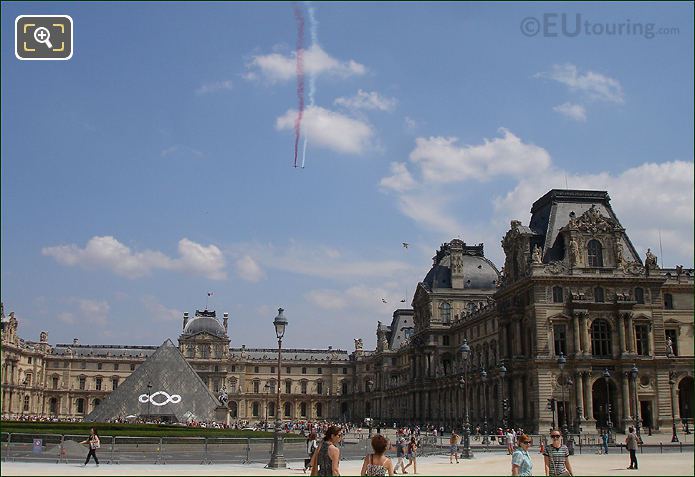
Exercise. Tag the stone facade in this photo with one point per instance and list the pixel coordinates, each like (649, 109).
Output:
(572, 285)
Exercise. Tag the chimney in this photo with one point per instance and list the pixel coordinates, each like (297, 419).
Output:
(185, 319)
(75, 341)
(225, 320)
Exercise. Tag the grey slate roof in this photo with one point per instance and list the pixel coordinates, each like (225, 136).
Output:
(104, 350)
(170, 376)
(289, 354)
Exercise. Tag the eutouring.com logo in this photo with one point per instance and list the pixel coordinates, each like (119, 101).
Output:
(571, 25)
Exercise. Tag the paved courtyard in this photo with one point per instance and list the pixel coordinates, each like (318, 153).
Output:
(496, 464)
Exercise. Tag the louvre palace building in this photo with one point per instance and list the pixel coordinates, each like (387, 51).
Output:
(577, 329)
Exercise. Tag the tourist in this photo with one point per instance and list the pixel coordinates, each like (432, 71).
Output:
(604, 441)
(326, 459)
(510, 441)
(453, 447)
(377, 463)
(94, 444)
(400, 455)
(521, 461)
(557, 456)
(311, 445)
(411, 454)
(631, 444)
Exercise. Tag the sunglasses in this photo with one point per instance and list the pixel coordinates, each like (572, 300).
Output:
(526, 442)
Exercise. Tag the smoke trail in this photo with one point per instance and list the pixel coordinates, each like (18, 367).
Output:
(300, 78)
(313, 27)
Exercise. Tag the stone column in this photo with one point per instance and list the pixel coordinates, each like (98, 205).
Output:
(504, 352)
(579, 379)
(621, 333)
(517, 349)
(626, 399)
(589, 412)
(630, 334)
(674, 400)
(577, 336)
(586, 347)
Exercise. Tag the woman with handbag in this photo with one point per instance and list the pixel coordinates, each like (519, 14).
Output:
(94, 444)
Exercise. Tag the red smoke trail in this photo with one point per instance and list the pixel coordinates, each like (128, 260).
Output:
(300, 78)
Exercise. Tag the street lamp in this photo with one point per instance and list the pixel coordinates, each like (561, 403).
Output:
(369, 385)
(465, 351)
(277, 458)
(149, 402)
(561, 362)
(609, 423)
(505, 401)
(633, 373)
(267, 392)
(483, 377)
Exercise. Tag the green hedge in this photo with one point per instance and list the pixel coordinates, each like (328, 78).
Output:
(124, 429)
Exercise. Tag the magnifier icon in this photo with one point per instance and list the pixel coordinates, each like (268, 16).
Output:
(42, 35)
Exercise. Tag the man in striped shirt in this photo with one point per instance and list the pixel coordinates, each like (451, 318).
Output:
(557, 461)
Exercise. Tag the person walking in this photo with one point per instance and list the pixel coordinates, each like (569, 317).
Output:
(557, 457)
(377, 464)
(631, 444)
(94, 443)
(311, 445)
(604, 440)
(400, 455)
(326, 459)
(453, 447)
(509, 436)
(412, 454)
(521, 460)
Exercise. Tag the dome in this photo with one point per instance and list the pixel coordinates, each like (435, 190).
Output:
(479, 273)
(204, 324)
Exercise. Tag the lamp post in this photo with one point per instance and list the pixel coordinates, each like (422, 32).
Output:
(561, 362)
(505, 401)
(465, 351)
(633, 373)
(609, 423)
(267, 392)
(149, 392)
(277, 458)
(483, 377)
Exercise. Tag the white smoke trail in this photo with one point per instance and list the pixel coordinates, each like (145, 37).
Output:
(313, 29)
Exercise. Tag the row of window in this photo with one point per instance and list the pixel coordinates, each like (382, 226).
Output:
(83, 365)
(287, 409)
(82, 383)
(601, 339)
(445, 310)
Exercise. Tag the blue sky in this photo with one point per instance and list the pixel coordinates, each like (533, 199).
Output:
(156, 164)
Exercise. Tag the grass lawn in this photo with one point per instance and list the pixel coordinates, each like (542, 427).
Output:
(123, 429)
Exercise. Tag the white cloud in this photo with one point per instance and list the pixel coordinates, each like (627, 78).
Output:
(572, 111)
(401, 180)
(160, 312)
(214, 87)
(67, 318)
(441, 160)
(595, 85)
(367, 100)
(179, 150)
(356, 298)
(329, 129)
(318, 261)
(410, 123)
(276, 67)
(108, 253)
(249, 270)
(90, 312)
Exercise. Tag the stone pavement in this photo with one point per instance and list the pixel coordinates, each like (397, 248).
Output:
(587, 464)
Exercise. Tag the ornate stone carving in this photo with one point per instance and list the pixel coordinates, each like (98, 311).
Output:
(634, 268)
(574, 253)
(359, 345)
(619, 258)
(556, 268)
(592, 222)
(537, 256)
(650, 261)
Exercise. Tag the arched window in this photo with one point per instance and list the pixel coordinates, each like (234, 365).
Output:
(302, 409)
(595, 253)
(601, 338)
(53, 405)
(26, 403)
(598, 295)
(319, 387)
(344, 388)
(639, 295)
(558, 296)
(288, 387)
(80, 406)
(288, 409)
(304, 387)
(445, 312)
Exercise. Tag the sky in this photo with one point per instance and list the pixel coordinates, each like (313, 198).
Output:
(156, 165)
